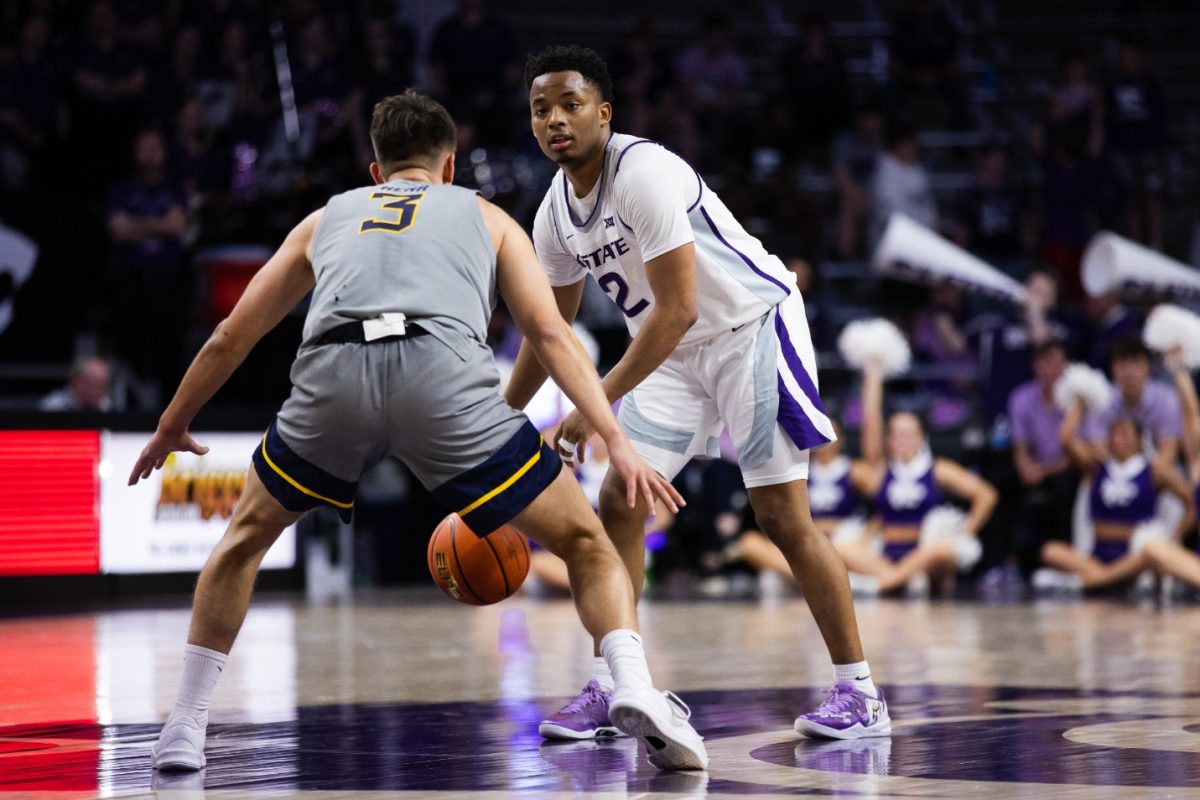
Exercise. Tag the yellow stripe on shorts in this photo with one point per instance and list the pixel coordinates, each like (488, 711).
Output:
(297, 484)
(516, 476)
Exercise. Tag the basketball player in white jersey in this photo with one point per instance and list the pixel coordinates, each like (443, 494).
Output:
(719, 339)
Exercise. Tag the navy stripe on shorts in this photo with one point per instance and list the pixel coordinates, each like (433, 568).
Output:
(297, 484)
(492, 493)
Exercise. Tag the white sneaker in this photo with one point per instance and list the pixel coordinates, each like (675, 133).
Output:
(1046, 579)
(863, 585)
(180, 745)
(659, 720)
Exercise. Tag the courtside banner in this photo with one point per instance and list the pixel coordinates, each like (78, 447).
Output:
(170, 522)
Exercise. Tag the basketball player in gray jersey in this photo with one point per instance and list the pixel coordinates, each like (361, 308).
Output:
(404, 276)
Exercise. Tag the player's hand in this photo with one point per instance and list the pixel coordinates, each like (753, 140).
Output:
(570, 438)
(640, 479)
(159, 447)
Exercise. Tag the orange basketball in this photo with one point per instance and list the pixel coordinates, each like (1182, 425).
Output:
(477, 570)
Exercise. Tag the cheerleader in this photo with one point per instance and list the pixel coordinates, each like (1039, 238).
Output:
(1122, 502)
(908, 484)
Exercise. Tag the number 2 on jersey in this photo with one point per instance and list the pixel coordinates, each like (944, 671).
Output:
(405, 206)
(620, 294)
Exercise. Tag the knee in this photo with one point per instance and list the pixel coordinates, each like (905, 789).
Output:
(250, 534)
(579, 537)
(1154, 554)
(1051, 549)
(614, 503)
(782, 523)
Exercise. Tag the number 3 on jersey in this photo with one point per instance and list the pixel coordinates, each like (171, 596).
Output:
(405, 206)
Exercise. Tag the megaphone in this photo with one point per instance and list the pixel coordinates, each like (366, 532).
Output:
(909, 250)
(1115, 264)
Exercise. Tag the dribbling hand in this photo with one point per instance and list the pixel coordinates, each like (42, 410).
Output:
(158, 448)
(570, 438)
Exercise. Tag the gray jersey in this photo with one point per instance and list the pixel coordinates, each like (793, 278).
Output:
(403, 246)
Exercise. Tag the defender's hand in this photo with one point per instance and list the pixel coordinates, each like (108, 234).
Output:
(156, 451)
(641, 479)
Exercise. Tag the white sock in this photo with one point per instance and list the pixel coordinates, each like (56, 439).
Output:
(623, 651)
(602, 674)
(201, 668)
(858, 674)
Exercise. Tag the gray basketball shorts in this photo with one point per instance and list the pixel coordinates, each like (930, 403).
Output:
(436, 408)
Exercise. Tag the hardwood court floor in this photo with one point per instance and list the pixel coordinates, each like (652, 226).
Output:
(411, 695)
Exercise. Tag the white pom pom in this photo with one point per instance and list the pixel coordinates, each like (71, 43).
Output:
(877, 340)
(946, 524)
(942, 524)
(967, 552)
(848, 530)
(1147, 532)
(1170, 326)
(1080, 381)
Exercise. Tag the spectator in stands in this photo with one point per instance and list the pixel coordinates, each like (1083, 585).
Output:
(925, 67)
(1048, 480)
(817, 86)
(31, 111)
(1111, 321)
(900, 183)
(175, 78)
(151, 280)
(195, 161)
(642, 72)
(88, 388)
(386, 67)
(715, 77)
(1008, 347)
(322, 88)
(1075, 106)
(939, 337)
(992, 219)
(234, 81)
(856, 155)
(1079, 196)
(472, 70)
(109, 79)
(1136, 127)
(1152, 404)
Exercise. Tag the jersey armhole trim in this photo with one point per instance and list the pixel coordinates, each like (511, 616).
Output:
(554, 221)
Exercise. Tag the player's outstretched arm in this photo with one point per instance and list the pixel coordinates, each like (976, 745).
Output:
(526, 292)
(272, 293)
(528, 374)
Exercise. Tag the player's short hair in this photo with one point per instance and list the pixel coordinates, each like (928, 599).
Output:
(411, 129)
(571, 58)
(1129, 348)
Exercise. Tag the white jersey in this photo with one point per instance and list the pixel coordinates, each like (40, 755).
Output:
(647, 202)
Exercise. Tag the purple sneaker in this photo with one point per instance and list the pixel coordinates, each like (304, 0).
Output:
(847, 714)
(585, 717)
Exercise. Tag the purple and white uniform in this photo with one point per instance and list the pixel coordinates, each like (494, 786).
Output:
(1122, 493)
(907, 494)
(747, 363)
(830, 495)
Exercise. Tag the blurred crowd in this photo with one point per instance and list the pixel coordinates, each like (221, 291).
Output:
(137, 136)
